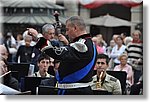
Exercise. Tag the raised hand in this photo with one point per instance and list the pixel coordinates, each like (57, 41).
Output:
(32, 32)
(63, 39)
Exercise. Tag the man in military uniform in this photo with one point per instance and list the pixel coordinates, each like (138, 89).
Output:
(77, 59)
(103, 80)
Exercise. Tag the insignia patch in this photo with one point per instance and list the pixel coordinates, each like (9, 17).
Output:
(80, 46)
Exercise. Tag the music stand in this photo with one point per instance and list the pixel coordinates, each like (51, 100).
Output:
(15, 74)
(121, 76)
(31, 83)
(101, 92)
(5, 90)
(47, 90)
(21, 68)
(25, 93)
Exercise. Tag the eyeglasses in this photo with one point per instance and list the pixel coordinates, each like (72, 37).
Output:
(100, 63)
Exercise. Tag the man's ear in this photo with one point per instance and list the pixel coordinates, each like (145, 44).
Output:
(107, 65)
(38, 64)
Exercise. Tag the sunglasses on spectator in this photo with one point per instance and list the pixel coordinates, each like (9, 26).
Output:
(100, 63)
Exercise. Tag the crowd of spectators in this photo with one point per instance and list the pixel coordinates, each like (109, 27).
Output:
(125, 53)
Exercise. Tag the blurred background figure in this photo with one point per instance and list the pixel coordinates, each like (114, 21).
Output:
(114, 37)
(100, 49)
(1, 38)
(3, 52)
(108, 52)
(5, 75)
(127, 40)
(100, 37)
(101, 42)
(24, 53)
(110, 47)
(10, 44)
(123, 36)
(123, 66)
(19, 39)
(134, 51)
(48, 32)
(117, 50)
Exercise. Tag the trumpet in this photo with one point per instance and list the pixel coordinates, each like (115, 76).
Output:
(56, 86)
(99, 82)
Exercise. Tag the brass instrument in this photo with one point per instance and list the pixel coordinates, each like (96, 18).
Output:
(99, 82)
(56, 86)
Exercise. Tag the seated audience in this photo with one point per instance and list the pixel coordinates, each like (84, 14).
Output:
(123, 66)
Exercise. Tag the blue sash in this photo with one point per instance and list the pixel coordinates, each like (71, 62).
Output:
(78, 75)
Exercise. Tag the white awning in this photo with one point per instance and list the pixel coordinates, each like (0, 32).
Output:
(31, 19)
(31, 3)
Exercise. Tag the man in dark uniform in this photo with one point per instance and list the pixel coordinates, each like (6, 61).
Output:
(77, 59)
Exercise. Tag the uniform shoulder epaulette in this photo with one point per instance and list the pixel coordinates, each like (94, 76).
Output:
(113, 79)
(80, 45)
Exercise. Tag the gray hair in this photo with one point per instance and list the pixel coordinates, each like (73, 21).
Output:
(25, 35)
(138, 32)
(127, 40)
(78, 21)
(46, 27)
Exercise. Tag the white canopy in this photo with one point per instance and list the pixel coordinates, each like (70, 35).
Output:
(108, 21)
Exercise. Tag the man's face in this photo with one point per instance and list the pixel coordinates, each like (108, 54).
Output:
(3, 52)
(50, 34)
(3, 68)
(112, 43)
(70, 31)
(101, 65)
(28, 41)
(123, 60)
(44, 65)
(119, 41)
(136, 36)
